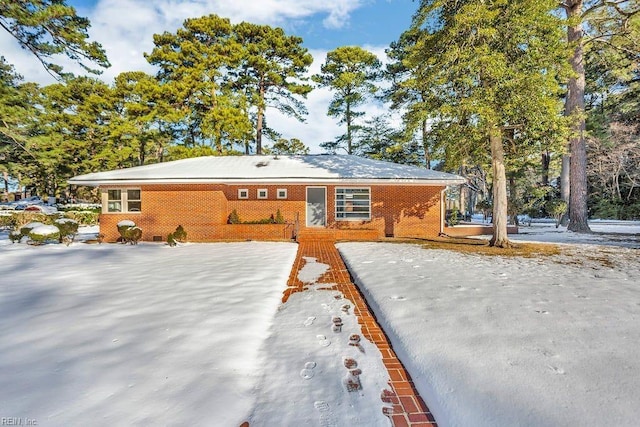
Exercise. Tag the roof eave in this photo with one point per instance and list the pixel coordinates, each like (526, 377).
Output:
(272, 181)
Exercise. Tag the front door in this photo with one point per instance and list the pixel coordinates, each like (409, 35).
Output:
(316, 206)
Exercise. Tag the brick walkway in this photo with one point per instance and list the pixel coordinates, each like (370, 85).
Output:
(408, 407)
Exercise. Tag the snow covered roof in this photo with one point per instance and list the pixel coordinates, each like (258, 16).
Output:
(281, 169)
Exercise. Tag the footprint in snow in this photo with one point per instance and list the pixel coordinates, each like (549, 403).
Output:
(323, 341)
(326, 415)
(321, 405)
(307, 373)
(309, 321)
(397, 298)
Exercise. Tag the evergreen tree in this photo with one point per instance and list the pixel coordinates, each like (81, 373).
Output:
(605, 24)
(271, 72)
(351, 72)
(194, 66)
(491, 69)
(50, 27)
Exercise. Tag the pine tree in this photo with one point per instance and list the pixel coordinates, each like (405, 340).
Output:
(50, 27)
(351, 72)
(490, 69)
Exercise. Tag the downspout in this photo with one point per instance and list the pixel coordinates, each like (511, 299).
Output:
(442, 209)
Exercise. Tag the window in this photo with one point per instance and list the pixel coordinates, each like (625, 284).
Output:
(129, 200)
(353, 204)
(282, 193)
(243, 193)
(133, 201)
(263, 193)
(114, 203)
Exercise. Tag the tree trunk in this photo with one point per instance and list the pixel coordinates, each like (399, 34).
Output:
(425, 144)
(259, 120)
(578, 213)
(500, 238)
(348, 117)
(512, 195)
(5, 177)
(546, 160)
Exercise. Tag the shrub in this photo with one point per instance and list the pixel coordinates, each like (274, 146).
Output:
(15, 236)
(133, 235)
(454, 217)
(8, 221)
(83, 217)
(234, 218)
(42, 233)
(279, 218)
(26, 229)
(556, 208)
(68, 229)
(123, 226)
(180, 235)
(129, 233)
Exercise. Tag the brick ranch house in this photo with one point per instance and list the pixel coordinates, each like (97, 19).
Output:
(321, 196)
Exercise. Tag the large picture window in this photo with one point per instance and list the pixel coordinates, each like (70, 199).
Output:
(123, 200)
(353, 204)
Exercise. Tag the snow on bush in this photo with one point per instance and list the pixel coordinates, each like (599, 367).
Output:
(43, 233)
(126, 223)
(26, 229)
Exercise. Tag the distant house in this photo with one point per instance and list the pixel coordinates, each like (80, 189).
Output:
(317, 196)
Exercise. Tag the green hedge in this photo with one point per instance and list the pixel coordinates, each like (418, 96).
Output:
(13, 219)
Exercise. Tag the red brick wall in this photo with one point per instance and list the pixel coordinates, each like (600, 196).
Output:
(203, 209)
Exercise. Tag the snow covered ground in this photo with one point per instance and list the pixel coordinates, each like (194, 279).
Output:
(495, 341)
(136, 335)
(197, 335)
(194, 335)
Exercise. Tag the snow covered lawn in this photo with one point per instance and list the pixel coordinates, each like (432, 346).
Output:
(136, 335)
(493, 341)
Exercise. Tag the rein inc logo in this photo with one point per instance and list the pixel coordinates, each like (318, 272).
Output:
(18, 421)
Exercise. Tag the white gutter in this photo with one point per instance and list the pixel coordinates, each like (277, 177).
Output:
(271, 181)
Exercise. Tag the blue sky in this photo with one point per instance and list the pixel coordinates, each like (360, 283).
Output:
(370, 22)
(125, 29)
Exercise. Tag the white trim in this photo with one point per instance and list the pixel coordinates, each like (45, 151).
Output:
(284, 196)
(124, 200)
(443, 211)
(271, 181)
(246, 192)
(260, 196)
(306, 201)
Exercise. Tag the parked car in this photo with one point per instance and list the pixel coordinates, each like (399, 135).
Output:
(22, 203)
(46, 209)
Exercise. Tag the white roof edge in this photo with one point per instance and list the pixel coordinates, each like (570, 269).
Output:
(272, 181)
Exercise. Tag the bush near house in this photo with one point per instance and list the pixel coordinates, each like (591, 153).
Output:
(234, 218)
(178, 236)
(129, 232)
(68, 229)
